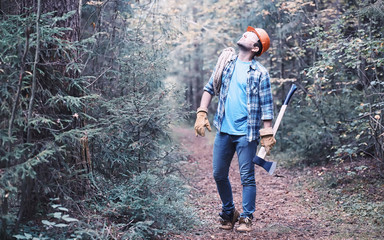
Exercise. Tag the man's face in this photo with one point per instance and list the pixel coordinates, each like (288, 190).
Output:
(247, 41)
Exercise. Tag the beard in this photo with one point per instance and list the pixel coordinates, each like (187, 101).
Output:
(243, 47)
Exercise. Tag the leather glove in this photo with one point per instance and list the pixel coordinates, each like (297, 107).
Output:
(202, 122)
(267, 139)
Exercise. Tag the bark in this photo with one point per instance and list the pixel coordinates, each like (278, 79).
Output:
(33, 90)
(8, 7)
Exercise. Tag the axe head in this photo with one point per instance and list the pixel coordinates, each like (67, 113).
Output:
(268, 166)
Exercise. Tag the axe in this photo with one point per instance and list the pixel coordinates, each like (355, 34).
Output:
(259, 158)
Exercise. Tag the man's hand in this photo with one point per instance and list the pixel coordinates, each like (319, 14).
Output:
(267, 139)
(202, 122)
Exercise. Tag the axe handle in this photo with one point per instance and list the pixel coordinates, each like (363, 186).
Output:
(278, 119)
(262, 153)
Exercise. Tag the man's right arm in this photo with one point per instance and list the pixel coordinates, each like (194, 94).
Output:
(205, 101)
(202, 115)
(202, 112)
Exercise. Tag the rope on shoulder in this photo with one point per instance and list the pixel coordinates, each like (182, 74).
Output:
(224, 58)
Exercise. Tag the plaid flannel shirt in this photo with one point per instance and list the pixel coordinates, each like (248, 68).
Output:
(259, 96)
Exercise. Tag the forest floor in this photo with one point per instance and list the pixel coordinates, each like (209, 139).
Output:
(295, 203)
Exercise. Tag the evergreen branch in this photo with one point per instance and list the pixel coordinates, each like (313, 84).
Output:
(101, 74)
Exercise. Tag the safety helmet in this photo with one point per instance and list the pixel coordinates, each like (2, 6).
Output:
(263, 36)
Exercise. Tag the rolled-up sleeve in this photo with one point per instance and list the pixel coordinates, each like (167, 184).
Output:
(209, 86)
(266, 99)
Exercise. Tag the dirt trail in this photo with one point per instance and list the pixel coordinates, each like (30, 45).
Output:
(282, 211)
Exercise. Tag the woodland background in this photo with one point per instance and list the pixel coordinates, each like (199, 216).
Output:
(91, 90)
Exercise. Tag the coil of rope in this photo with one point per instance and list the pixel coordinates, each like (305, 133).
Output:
(223, 60)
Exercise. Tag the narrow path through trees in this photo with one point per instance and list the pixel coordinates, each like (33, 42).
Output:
(283, 210)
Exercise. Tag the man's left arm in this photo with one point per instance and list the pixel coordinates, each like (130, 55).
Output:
(266, 103)
(267, 123)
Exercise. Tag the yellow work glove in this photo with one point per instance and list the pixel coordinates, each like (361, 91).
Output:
(267, 139)
(202, 122)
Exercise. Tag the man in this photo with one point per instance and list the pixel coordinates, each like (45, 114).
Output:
(245, 100)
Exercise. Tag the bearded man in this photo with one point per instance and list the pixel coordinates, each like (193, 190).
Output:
(245, 101)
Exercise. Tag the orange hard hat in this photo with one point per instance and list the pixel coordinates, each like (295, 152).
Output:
(263, 36)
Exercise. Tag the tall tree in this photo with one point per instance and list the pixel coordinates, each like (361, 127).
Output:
(45, 32)
(91, 127)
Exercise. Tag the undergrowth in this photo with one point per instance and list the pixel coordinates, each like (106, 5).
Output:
(349, 198)
(146, 207)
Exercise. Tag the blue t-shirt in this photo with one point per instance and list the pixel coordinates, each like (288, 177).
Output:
(235, 113)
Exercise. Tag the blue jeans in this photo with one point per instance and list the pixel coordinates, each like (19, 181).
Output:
(224, 148)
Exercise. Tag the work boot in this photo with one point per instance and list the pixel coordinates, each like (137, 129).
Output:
(228, 221)
(245, 224)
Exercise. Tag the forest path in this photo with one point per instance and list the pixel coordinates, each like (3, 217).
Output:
(283, 211)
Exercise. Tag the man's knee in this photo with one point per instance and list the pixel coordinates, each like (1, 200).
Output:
(220, 176)
(248, 179)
